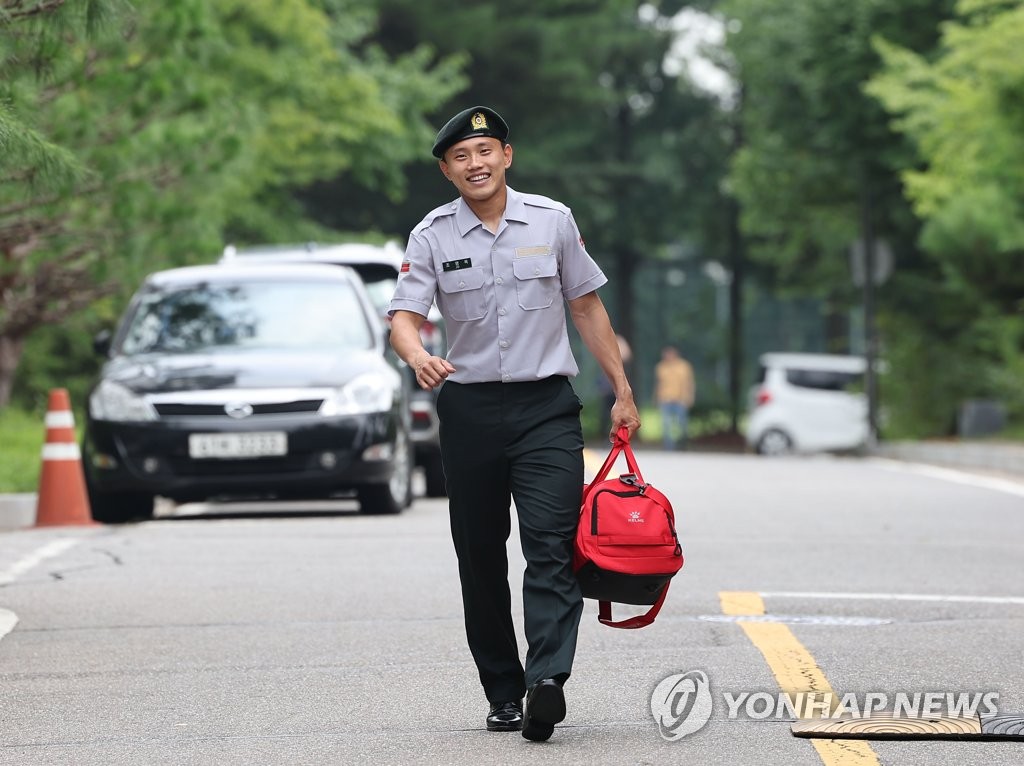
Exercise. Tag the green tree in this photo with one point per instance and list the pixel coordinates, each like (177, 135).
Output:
(964, 111)
(148, 135)
(597, 122)
(820, 165)
(818, 153)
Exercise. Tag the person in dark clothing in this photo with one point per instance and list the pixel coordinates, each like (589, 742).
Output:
(502, 266)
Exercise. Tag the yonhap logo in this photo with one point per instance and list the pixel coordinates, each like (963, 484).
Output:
(681, 704)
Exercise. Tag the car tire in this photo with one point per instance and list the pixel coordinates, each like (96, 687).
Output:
(120, 507)
(775, 442)
(433, 472)
(395, 495)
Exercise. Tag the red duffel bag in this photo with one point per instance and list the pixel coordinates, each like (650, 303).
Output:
(627, 550)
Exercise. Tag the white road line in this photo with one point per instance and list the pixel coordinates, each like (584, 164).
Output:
(950, 474)
(25, 563)
(797, 619)
(896, 597)
(8, 620)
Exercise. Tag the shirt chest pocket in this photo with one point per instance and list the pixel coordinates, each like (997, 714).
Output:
(463, 293)
(537, 281)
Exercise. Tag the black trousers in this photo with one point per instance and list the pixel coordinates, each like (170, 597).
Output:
(515, 441)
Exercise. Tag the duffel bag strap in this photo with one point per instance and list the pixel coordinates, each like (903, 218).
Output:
(609, 461)
(604, 614)
(622, 441)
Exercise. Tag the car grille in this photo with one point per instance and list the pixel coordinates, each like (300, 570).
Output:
(260, 467)
(174, 409)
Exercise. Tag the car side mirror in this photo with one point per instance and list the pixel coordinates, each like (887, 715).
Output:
(101, 342)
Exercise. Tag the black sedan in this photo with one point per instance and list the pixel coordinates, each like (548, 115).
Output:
(237, 382)
(379, 267)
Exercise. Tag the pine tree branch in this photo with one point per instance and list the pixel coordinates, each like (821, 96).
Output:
(161, 176)
(47, 6)
(22, 207)
(74, 81)
(55, 291)
(22, 237)
(55, 164)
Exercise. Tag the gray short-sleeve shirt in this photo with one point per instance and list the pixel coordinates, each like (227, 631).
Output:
(502, 295)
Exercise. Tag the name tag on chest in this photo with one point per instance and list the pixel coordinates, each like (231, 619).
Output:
(461, 263)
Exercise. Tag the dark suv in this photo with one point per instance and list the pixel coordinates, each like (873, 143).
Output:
(378, 266)
(248, 382)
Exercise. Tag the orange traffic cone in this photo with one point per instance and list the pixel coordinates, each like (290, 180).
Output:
(62, 497)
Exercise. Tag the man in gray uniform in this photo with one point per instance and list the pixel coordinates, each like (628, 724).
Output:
(501, 265)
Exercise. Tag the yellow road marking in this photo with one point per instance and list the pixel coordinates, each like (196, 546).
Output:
(741, 602)
(591, 462)
(796, 671)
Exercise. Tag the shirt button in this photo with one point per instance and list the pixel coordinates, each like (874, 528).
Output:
(497, 281)
(536, 271)
(502, 312)
(506, 377)
(462, 284)
(504, 344)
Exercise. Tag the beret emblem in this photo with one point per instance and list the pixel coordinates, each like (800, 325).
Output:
(478, 121)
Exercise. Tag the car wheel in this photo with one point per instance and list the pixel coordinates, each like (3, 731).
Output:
(775, 442)
(433, 471)
(120, 507)
(396, 494)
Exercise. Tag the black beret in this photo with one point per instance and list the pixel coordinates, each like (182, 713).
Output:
(476, 121)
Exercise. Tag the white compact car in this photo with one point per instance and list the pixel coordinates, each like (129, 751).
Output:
(808, 403)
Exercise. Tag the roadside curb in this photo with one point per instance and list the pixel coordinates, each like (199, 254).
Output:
(1001, 458)
(17, 511)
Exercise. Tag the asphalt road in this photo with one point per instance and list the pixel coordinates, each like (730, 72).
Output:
(333, 638)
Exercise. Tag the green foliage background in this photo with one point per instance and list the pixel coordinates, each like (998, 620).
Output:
(963, 109)
(148, 135)
(145, 135)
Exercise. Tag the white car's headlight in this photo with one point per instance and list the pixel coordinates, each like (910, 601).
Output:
(112, 401)
(371, 392)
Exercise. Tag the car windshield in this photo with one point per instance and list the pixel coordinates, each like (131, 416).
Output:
(242, 316)
(380, 280)
(825, 380)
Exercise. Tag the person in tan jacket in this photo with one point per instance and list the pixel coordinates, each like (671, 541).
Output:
(674, 392)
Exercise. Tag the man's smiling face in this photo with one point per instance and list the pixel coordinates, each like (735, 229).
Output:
(477, 167)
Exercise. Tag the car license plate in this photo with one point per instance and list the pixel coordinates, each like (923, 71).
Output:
(257, 444)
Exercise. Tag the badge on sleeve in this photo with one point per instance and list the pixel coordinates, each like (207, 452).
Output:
(405, 268)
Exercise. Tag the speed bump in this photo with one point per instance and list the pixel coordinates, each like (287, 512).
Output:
(885, 726)
(1008, 726)
(890, 727)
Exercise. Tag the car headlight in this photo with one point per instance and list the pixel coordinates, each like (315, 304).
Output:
(371, 392)
(112, 401)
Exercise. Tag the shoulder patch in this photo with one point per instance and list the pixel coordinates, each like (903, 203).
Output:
(538, 200)
(438, 212)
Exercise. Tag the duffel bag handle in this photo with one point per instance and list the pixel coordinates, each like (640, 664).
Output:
(619, 446)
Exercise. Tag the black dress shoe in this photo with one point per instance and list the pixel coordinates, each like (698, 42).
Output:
(545, 706)
(505, 716)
